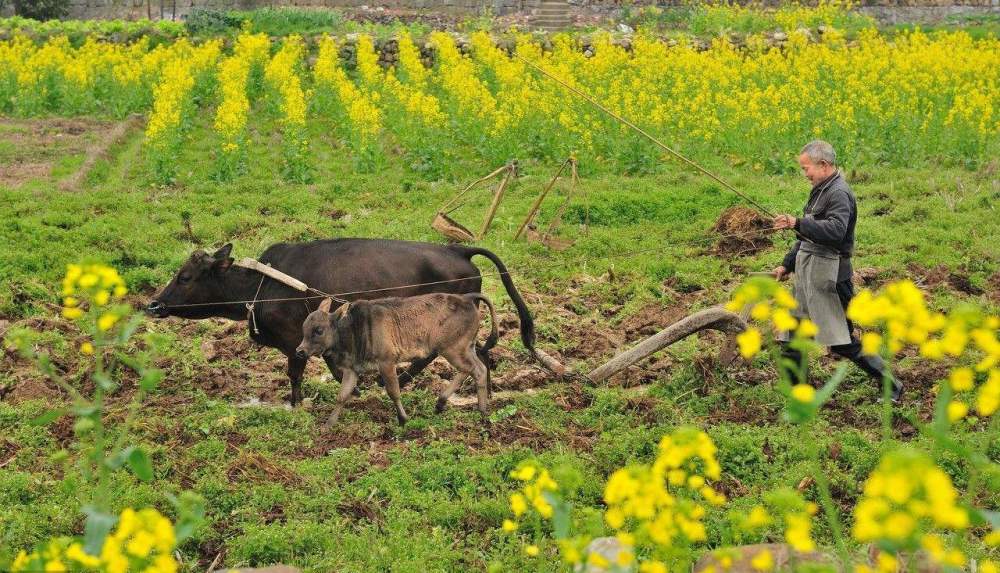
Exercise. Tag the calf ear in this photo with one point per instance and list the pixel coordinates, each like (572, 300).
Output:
(342, 311)
(325, 305)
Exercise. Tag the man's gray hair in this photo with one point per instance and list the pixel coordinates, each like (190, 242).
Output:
(820, 151)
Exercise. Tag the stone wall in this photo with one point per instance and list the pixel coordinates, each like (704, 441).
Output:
(178, 9)
(885, 10)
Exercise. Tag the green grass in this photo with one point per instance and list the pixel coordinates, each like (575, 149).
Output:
(431, 497)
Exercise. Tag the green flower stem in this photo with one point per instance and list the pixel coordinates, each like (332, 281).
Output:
(975, 465)
(829, 507)
(886, 397)
(99, 459)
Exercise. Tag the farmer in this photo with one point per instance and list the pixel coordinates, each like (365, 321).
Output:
(821, 259)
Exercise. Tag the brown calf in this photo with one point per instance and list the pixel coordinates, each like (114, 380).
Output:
(381, 333)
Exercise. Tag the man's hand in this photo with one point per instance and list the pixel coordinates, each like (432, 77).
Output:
(784, 222)
(780, 272)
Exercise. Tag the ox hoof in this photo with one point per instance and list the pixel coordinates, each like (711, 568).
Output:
(441, 404)
(403, 419)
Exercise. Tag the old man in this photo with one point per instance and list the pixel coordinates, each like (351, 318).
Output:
(821, 261)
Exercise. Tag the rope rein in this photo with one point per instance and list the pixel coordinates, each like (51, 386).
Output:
(253, 303)
(338, 297)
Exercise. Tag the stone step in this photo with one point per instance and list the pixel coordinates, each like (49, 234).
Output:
(552, 13)
(550, 25)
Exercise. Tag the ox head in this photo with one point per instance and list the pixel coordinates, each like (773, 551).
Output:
(198, 282)
(319, 331)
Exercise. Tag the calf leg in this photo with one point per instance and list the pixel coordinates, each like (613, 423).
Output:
(416, 367)
(296, 366)
(350, 379)
(482, 375)
(335, 371)
(468, 361)
(456, 381)
(388, 372)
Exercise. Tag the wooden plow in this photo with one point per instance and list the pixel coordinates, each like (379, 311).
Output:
(714, 318)
(455, 231)
(546, 238)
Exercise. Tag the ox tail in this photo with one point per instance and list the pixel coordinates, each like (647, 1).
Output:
(523, 315)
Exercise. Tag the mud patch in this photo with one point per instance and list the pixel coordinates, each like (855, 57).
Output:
(994, 287)
(363, 511)
(255, 467)
(867, 277)
(922, 375)
(940, 275)
(8, 451)
(17, 174)
(521, 379)
(590, 340)
(651, 319)
(573, 397)
(741, 231)
(750, 413)
(642, 374)
(29, 148)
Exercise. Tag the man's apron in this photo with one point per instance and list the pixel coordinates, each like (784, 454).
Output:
(816, 268)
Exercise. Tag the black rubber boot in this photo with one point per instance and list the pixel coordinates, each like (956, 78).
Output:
(875, 367)
(799, 374)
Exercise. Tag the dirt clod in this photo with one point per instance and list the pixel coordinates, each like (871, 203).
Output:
(741, 232)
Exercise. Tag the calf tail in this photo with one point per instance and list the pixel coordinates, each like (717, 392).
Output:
(494, 336)
(484, 351)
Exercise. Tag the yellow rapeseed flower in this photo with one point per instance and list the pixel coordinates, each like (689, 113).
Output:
(762, 561)
(804, 393)
(107, 321)
(518, 504)
(957, 410)
(749, 342)
(871, 343)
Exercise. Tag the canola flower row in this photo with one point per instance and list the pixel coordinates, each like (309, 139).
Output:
(658, 513)
(909, 507)
(875, 98)
(141, 541)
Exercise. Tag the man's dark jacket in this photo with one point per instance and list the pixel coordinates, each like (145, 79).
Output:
(828, 219)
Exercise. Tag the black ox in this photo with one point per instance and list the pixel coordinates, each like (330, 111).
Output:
(206, 286)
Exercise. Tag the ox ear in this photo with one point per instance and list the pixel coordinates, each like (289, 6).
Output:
(222, 260)
(325, 305)
(223, 253)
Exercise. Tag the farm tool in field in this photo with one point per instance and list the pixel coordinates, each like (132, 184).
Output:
(546, 237)
(455, 231)
(714, 318)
